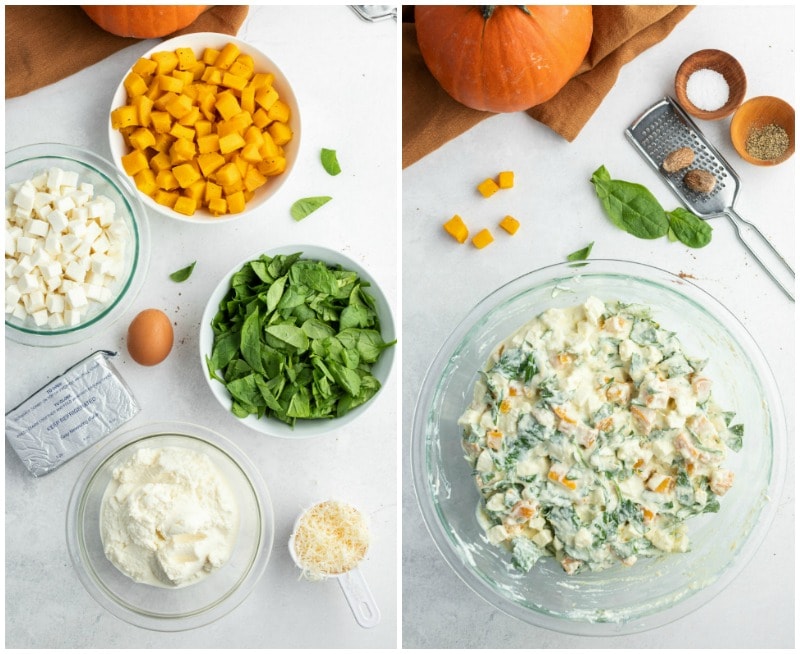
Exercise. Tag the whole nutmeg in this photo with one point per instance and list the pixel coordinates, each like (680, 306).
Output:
(678, 160)
(700, 181)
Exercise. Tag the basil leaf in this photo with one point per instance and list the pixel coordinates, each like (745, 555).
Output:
(183, 274)
(304, 207)
(581, 255)
(688, 228)
(630, 206)
(329, 161)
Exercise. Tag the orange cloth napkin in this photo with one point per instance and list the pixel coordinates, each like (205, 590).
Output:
(621, 33)
(47, 43)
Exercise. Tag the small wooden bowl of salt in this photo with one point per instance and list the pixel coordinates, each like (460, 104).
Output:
(710, 84)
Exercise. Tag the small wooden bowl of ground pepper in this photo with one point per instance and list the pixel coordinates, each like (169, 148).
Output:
(762, 131)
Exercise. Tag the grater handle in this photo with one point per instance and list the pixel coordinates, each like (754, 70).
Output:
(763, 251)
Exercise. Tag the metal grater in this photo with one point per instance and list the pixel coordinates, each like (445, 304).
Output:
(665, 127)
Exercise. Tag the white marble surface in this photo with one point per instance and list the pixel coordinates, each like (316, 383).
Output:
(344, 73)
(560, 213)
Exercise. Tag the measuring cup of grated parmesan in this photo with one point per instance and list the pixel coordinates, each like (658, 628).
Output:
(330, 539)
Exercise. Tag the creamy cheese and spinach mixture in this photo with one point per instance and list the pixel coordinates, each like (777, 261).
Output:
(593, 436)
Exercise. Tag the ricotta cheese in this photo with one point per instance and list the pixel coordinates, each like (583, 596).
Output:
(168, 517)
(593, 436)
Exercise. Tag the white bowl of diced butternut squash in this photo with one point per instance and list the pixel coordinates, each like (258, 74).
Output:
(206, 126)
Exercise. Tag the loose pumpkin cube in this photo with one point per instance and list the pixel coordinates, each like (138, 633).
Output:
(203, 128)
(250, 153)
(242, 68)
(272, 166)
(162, 121)
(168, 83)
(510, 224)
(505, 179)
(230, 142)
(196, 191)
(228, 175)
(144, 106)
(253, 179)
(268, 147)
(153, 91)
(260, 118)
(186, 58)
(182, 150)
(166, 61)
(456, 228)
(209, 162)
(165, 179)
(265, 97)
(482, 239)
(185, 205)
(488, 188)
(231, 81)
(145, 181)
(134, 85)
(134, 161)
(281, 133)
(218, 206)
(164, 99)
(212, 192)
(166, 198)
(185, 76)
(142, 138)
(262, 80)
(212, 75)
(227, 105)
(182, 132)
(186, 174)
(180, 106)
(235, 202)
(192, 117)
(145, 67)
(247, 99)
(160, 161)
(253, 135)
(125, 116)
(164, 142)
(242, 121)
(279, 112)
(197, 70)
(207, 106)
(227, 56)
(246, 61)
(208, 143)
(210, 56)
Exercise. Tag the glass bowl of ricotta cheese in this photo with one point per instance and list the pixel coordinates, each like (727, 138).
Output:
(592, 501)
(170, 526)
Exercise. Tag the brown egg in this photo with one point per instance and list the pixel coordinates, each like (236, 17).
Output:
(150, 337)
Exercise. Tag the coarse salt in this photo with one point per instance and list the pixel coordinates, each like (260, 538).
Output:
(707, 89)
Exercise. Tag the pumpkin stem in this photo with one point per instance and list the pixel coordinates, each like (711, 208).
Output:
(488, 10)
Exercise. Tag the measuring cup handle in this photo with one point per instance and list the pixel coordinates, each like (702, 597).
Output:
(764, 252)
(359, 597)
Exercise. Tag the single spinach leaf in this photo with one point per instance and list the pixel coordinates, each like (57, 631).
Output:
(183, 274)
(580, 255)
(630, 206)
(688, 228)
(304, 207)
(329, 161)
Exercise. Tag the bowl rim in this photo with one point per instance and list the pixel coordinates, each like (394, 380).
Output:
(557, 274)
(308, 428)
(211, 39)
(136, 218)
(102, 453)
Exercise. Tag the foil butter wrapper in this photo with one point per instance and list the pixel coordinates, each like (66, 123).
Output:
(70, 413)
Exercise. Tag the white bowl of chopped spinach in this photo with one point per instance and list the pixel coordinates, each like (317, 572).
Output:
(297, 341)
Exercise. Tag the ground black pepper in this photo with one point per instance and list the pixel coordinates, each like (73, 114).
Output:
(767, 142)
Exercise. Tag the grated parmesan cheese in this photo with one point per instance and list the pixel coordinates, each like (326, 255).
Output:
(331, 538)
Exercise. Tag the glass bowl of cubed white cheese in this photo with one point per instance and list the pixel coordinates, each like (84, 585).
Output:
(170, 526)
(77, 244)
(599, 450)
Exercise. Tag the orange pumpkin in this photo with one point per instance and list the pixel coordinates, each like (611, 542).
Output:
(503, 58)
(143, 21)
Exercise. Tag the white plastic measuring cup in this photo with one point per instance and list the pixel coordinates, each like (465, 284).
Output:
(354, 586)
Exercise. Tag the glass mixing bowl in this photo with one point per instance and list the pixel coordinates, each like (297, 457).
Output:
(171, 609)
(26, 162)
(622, 599)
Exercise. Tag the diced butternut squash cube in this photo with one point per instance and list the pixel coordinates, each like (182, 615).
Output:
(250, 153)
(144, 106)
(145, 181)
(166, 198)
(165, 179)
(228, 175)
(505, 179)
(192, 117)
(145, 67)
(268, 147)
(182, 151)
(488, 188)
(185, 76)
(281, 133)
(279, 112)
(265, 97)
(212, 75)
(272, 166)
(209, 162)
(260, 118)
(168, 83)
(262, 80)
(253, 135)
(197, 70)
(180, 106)
(124, 116)
(212, 192)
(253, 179)
(186, 58)
(134, 85)
(218, 206)
(241, 69)
(163, 142)
(482, 239)
(182, 132)
(162, 121)
(457, 229)
(231, 142)
(185, 205)
(210, 56)
(161, 102)
(227, 105)
(203, 128)
(235, 202)
(208, 143)
(166, 62)
(247, 99)
(134, 161)
(510, 224)
(227, 56)
(231, 81)
(159, 162)
(186, 174)
(142, 138)
(196, 191)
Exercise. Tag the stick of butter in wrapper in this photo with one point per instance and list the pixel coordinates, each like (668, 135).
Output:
(70, 413)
